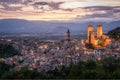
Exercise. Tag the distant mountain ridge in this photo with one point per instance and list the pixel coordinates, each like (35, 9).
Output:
(20, 25)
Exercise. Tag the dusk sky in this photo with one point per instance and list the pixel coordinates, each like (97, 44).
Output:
(61, 10)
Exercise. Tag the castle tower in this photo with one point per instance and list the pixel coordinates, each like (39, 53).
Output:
(91, 37)
(90, 28)
(99, 31)
(68, 35)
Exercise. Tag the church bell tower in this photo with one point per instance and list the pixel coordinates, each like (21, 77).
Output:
(68, 35)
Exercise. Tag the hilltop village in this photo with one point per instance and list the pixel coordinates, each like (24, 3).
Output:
(49, 55)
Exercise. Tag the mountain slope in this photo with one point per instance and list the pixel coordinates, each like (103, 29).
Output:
(115, 33)
(19, 25)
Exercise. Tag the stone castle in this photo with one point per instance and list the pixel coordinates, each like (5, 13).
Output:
(98, 40)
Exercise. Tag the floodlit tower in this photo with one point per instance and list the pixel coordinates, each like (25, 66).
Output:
(91, 37)
(90, 28)
(68, 35)
(99, 31)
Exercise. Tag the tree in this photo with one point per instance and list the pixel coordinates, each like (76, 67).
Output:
(109, 64)
(76, 70)
(93, 74)
(4, 67)
(24, 73)
(90, 64)
(116, 74)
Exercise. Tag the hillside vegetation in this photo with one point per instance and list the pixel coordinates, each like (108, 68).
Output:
(115, 33)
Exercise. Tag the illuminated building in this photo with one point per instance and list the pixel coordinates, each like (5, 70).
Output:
(90, 28)
(106, 42)
(83, 44)
(91, 37)
(43, 47)
(104, 36)
(68, 35)
(99, 31)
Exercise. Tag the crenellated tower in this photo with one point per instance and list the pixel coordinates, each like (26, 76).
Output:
(91, 37)
(90, 29)
(99, 31)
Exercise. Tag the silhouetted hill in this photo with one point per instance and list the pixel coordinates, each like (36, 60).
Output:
(115, 33)
(19, 25)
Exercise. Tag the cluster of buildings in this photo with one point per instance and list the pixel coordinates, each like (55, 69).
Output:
(45, 55)
(49, 55)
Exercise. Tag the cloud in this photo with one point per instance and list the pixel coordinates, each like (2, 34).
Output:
(59, 9)
(105, 8)
(10, 1)
(36, 4)
(100, 13)
(11, 5)
(117, 11)
(104, 15)
(52, 5)
(77, 4)
(41, 3)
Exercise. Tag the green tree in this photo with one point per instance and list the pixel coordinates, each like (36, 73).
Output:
(76, 70)
(24, 73)
(116, 74)
(90, 64)
(109, 64)
(93, 74)
(4, 67)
